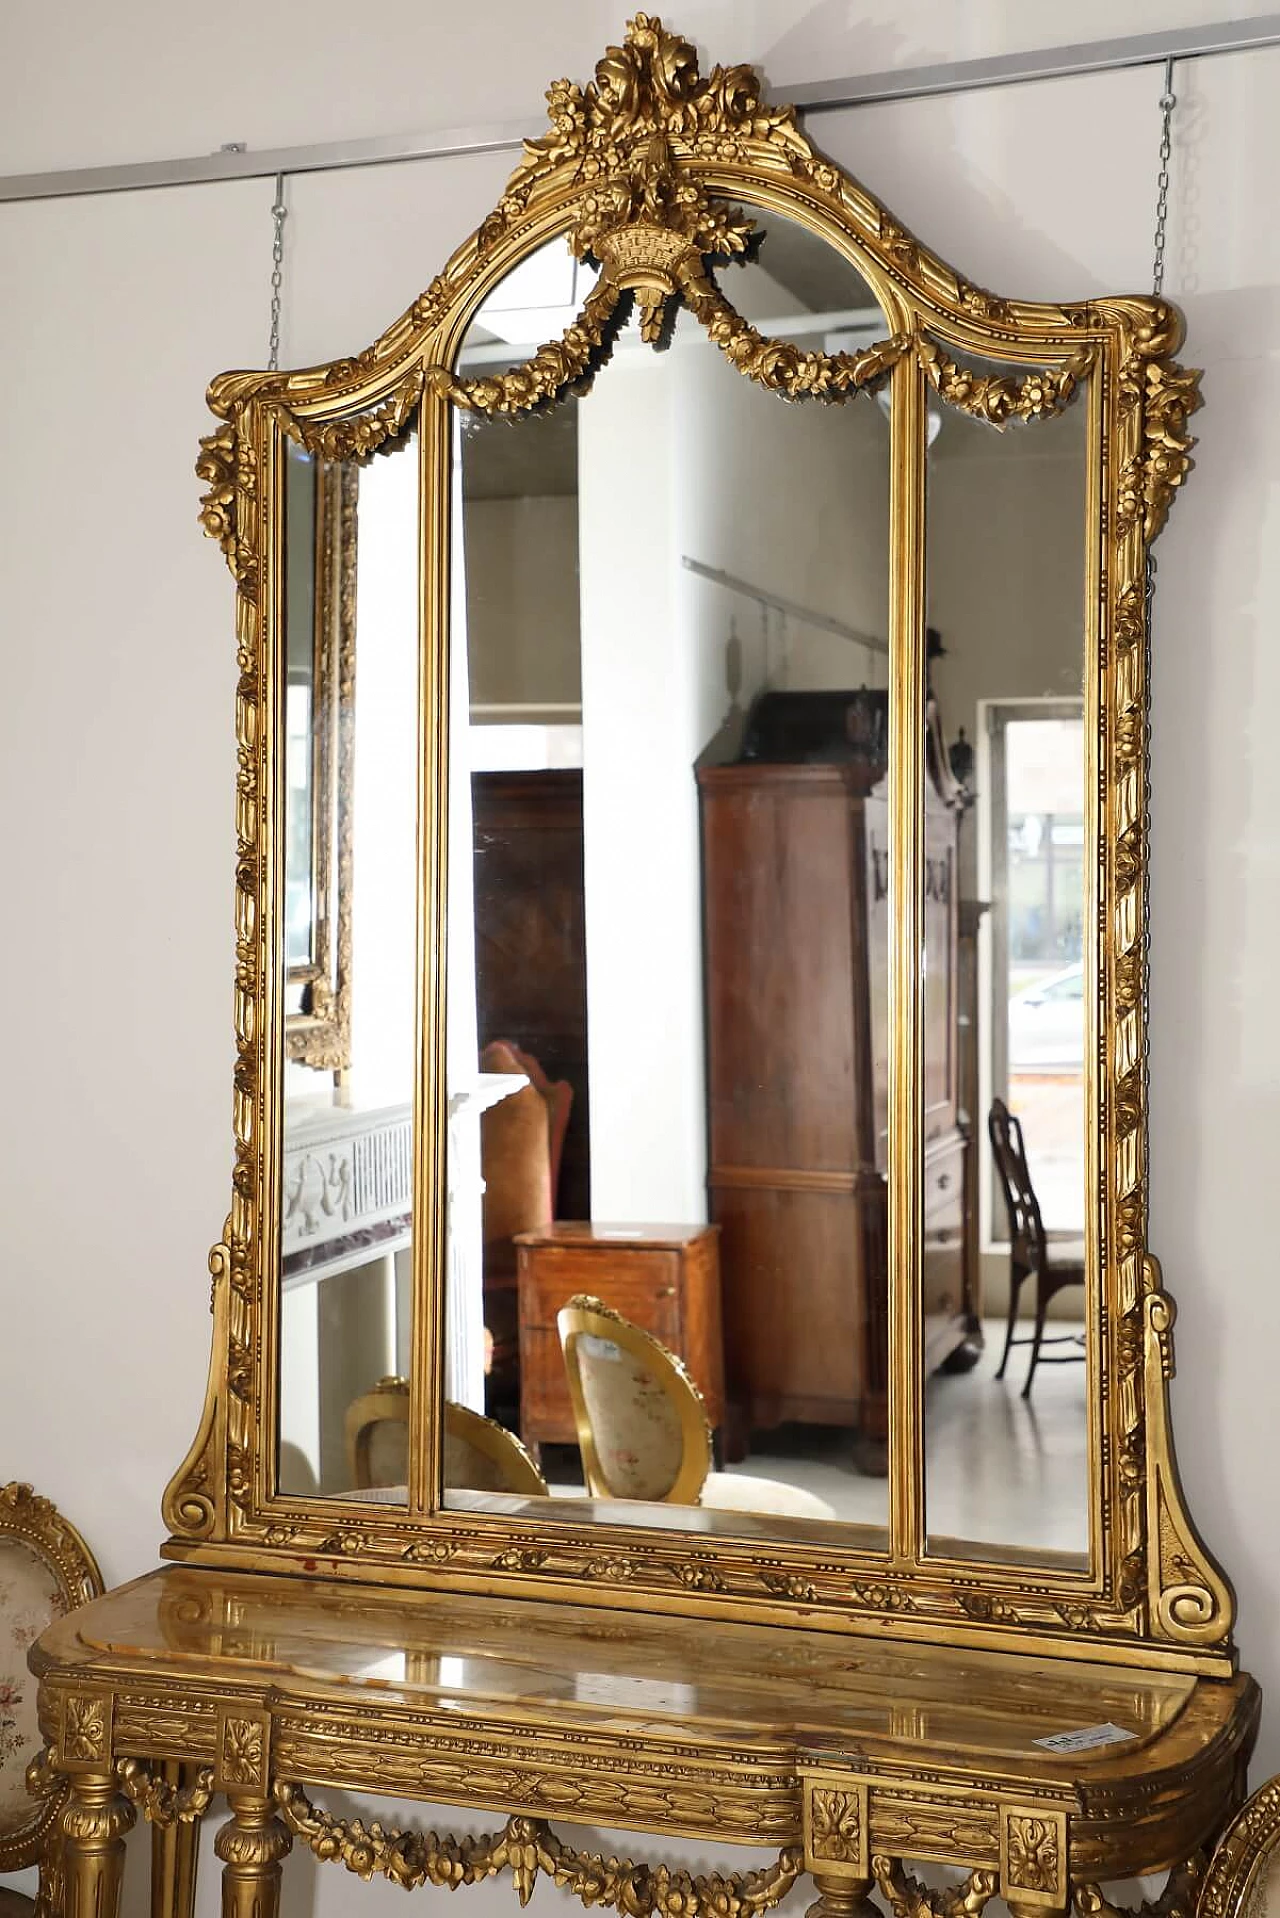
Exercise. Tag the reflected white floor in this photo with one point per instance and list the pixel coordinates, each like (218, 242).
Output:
(1000, 1469)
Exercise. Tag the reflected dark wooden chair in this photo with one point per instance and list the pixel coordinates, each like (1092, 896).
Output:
(521, 1146)
(1054, 1264)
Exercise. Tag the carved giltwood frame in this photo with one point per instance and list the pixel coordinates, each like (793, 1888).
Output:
(648, 169)
(36, 1524)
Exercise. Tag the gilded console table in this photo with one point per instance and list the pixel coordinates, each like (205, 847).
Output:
(846, 1752)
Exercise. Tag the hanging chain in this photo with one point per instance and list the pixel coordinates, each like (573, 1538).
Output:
(279, 214)
(1168, 101)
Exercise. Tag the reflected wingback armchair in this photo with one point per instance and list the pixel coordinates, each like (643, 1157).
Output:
(642, 1425)
(46, 1570)
(1053, 1263)
(521, 1145)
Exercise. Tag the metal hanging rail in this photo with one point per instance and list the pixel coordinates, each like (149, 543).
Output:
(823, 96)
(789, 608)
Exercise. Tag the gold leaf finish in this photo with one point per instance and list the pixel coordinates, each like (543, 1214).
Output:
(1239, 1882)
(527, 1848)
(656, 170)
(999, 398)
(160, 1802)
(906, 1897)
(836, 1826)
(1035, 1856)
(1179, 1899)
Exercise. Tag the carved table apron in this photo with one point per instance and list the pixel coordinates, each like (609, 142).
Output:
(859, 1751)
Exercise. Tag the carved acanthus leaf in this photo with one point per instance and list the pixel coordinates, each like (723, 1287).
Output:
(651, 86)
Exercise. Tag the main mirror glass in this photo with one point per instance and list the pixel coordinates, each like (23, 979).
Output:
(668, 935)
(1007, 986)
(348, 703)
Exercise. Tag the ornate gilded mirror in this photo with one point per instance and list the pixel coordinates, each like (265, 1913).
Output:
(734, 1194)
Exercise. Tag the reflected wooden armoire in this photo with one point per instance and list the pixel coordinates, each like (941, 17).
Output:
(795, 863)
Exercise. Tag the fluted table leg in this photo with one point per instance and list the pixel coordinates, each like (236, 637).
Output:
(251, 1845)
(94, 1822)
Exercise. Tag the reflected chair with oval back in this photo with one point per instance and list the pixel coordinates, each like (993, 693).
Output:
(482, 1456)
(1054, 1264)
(479, 1454)
(642, 1425)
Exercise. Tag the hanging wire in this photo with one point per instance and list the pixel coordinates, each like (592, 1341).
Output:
(279, 214)
(1168, 101)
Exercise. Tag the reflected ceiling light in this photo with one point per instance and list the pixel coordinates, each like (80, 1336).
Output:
(538, 299)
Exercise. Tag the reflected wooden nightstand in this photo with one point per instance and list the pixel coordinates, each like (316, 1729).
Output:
(665, 1278)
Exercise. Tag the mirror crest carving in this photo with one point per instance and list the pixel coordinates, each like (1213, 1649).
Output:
(644, 170)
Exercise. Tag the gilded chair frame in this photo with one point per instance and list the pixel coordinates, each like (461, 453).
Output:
(502, 1448)
(37, 1525)
(649, 169)
(386, 1403)
(589, 1317)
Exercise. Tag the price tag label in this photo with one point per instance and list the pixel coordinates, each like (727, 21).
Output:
(1087, 1740)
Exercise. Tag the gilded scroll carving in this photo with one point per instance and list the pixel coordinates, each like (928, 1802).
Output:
(1160, 395)
(528, 1848)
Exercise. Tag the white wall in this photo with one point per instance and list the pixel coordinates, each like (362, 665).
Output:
(522, 599)
(116, 763)
(681, 457)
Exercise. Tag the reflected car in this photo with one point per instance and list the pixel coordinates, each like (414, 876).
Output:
(1046, 1023)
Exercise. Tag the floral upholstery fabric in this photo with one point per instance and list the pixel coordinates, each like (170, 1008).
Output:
(29, 1600)
(636, 1425)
